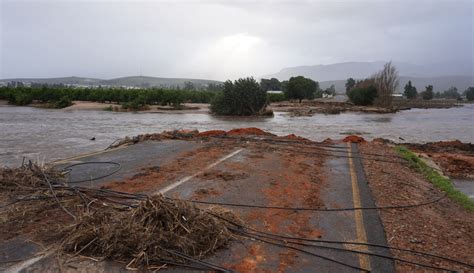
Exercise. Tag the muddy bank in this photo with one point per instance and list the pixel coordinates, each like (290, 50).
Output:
(456, 159)
(443, 228)
(186, 108)
(308, 108)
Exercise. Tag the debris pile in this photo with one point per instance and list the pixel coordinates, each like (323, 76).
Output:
(189, 134)
(143, 231)
(158, 231)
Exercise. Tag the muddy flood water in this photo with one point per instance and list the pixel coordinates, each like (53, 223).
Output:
(46, 135)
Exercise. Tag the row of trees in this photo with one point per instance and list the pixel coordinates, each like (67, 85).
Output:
(410, 92)
(48, 94)
(378, 89)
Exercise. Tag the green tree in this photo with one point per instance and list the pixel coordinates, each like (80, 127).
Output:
(469, 93)
(300, 88)
(243, 97)
(428, 93)
(410, 91)
(270, 84)
(451, 93)
(63, 102)
(350, 83)
(331, 90)
(189, 86)
(363, 95)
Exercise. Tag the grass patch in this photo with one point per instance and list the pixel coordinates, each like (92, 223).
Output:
(436, 179)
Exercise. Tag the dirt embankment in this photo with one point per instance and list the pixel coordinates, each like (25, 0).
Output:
(443, 228)
(456, 159)
(309, 108)
(187, 108)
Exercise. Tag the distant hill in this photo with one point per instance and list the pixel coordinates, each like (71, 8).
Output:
(441, 76)
(361, 70)
(135, 81)
(154, 81)
(65, 80)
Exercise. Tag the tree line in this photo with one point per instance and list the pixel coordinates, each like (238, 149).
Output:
(54, 94)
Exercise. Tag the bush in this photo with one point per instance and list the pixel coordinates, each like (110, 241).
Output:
(21, 99)
(363, 95)
(242, 97)
(63, 102)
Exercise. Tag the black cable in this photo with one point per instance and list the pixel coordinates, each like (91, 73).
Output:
(68, 170)
(353, 251)
(340, 242)
(197, 261)
(317, 209)
(307, 143)
(309, 253)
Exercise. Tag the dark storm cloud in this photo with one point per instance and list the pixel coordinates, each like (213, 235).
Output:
(225, 39)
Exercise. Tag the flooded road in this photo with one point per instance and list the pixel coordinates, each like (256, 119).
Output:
(44, 134)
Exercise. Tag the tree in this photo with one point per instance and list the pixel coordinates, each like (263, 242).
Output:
(243, 97)
(469, 93)
(428, 93)
(350, 83)
(284, 86)
(330, 91)
(410, 91)
(363, 95)
(451, 93)
(188, 85)
(271, 84)
(386, 81)
(300, 88)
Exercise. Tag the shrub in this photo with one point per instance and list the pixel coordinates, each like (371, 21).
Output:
(243, 97)
(363, 95)
(21, 99)
(63, 102)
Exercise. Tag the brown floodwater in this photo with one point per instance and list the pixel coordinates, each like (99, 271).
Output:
(45, 134)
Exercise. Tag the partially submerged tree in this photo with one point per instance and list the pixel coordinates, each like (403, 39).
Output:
(243, 97)
(386, 81)
(410, 91)
(300, 88)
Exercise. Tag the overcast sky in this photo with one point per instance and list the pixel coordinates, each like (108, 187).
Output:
(225, 39)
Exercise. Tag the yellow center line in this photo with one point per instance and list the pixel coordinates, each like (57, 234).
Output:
(364, 260)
